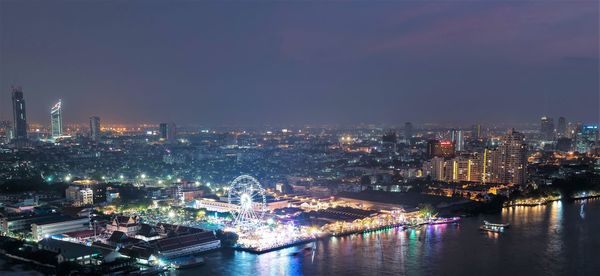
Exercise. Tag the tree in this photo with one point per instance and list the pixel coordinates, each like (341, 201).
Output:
(426, 211)
(228, 239)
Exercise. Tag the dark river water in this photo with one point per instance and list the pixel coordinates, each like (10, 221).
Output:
(562, 238)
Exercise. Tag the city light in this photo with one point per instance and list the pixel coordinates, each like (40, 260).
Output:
(299, 137)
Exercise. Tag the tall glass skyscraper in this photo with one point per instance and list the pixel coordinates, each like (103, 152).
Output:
(19, 114)
(95, 128)
(56, 119)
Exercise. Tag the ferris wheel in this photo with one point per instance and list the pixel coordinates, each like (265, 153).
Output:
(249, 197)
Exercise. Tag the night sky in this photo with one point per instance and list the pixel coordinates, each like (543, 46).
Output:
(252, 63)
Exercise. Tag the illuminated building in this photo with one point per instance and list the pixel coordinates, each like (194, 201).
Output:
(476, 132)
(389, 141)
(489, 158)
(167, 132)
(19, 114)
(586, 138)
(437, 148)
(457, 138)
(564, 144)
(126, 224)
(464, 169)
(438, 171)
(56, 120)
(547, 128)
(95, 128)
(224, 206)
(408, 131)
(60, 225)
(513, 158)
(79, 196)
(561, 127)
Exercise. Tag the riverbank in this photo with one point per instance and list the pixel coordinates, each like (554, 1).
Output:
(341, 234)
(531, 202)
(442, 250)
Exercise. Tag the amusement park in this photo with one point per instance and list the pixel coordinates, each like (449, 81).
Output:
(263, 220)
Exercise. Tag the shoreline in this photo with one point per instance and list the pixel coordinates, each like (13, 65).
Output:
(550, 201)
(329, 236)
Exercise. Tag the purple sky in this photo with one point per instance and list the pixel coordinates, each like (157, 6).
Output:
(248, 63)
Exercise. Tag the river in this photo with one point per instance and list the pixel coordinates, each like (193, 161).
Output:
(561, 238)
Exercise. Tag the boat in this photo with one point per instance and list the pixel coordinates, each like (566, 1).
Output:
(443, 220)
(489, 228)
(303, 251)
(503, 225)
(189, 262)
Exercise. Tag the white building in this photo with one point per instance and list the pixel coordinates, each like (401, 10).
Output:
(61, 225)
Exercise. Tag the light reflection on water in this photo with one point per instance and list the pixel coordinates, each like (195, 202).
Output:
(542, 240)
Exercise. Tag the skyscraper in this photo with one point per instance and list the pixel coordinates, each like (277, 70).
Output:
(408, 131)
(476, 131)
(561, 127)
(56, 119)
(547, 128)
(586, 138)
(457, 138)
(19, 114)
(436, 148)
(513, 158)
(389, 141)
(95, 128)
(167, 132)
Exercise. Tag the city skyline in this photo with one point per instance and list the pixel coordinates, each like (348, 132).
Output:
(315, 63)
(408, 137)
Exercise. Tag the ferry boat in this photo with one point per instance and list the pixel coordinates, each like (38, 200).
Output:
(503, 225)
(443, 220)
(493, 227)
(489, 228)
(189, 262)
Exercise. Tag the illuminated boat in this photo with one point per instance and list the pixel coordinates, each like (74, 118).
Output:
(494, 229)
(443, 220)
(188, 262)
(503, 225)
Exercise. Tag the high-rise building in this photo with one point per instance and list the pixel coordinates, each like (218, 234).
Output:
(444, 149)
(436, 148)
(95, 128)
(476, 131)
(564, 144)
(465, 168)
(561, 127)
(458, 139)
(6, 132)
(19, 114)
(167, 132)
(547, 128)
(162, 131)
(408, 131)
(388, 142)
(513, 158)
(492, 166)
(586, 138)
(573, 129)
(56, 120)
